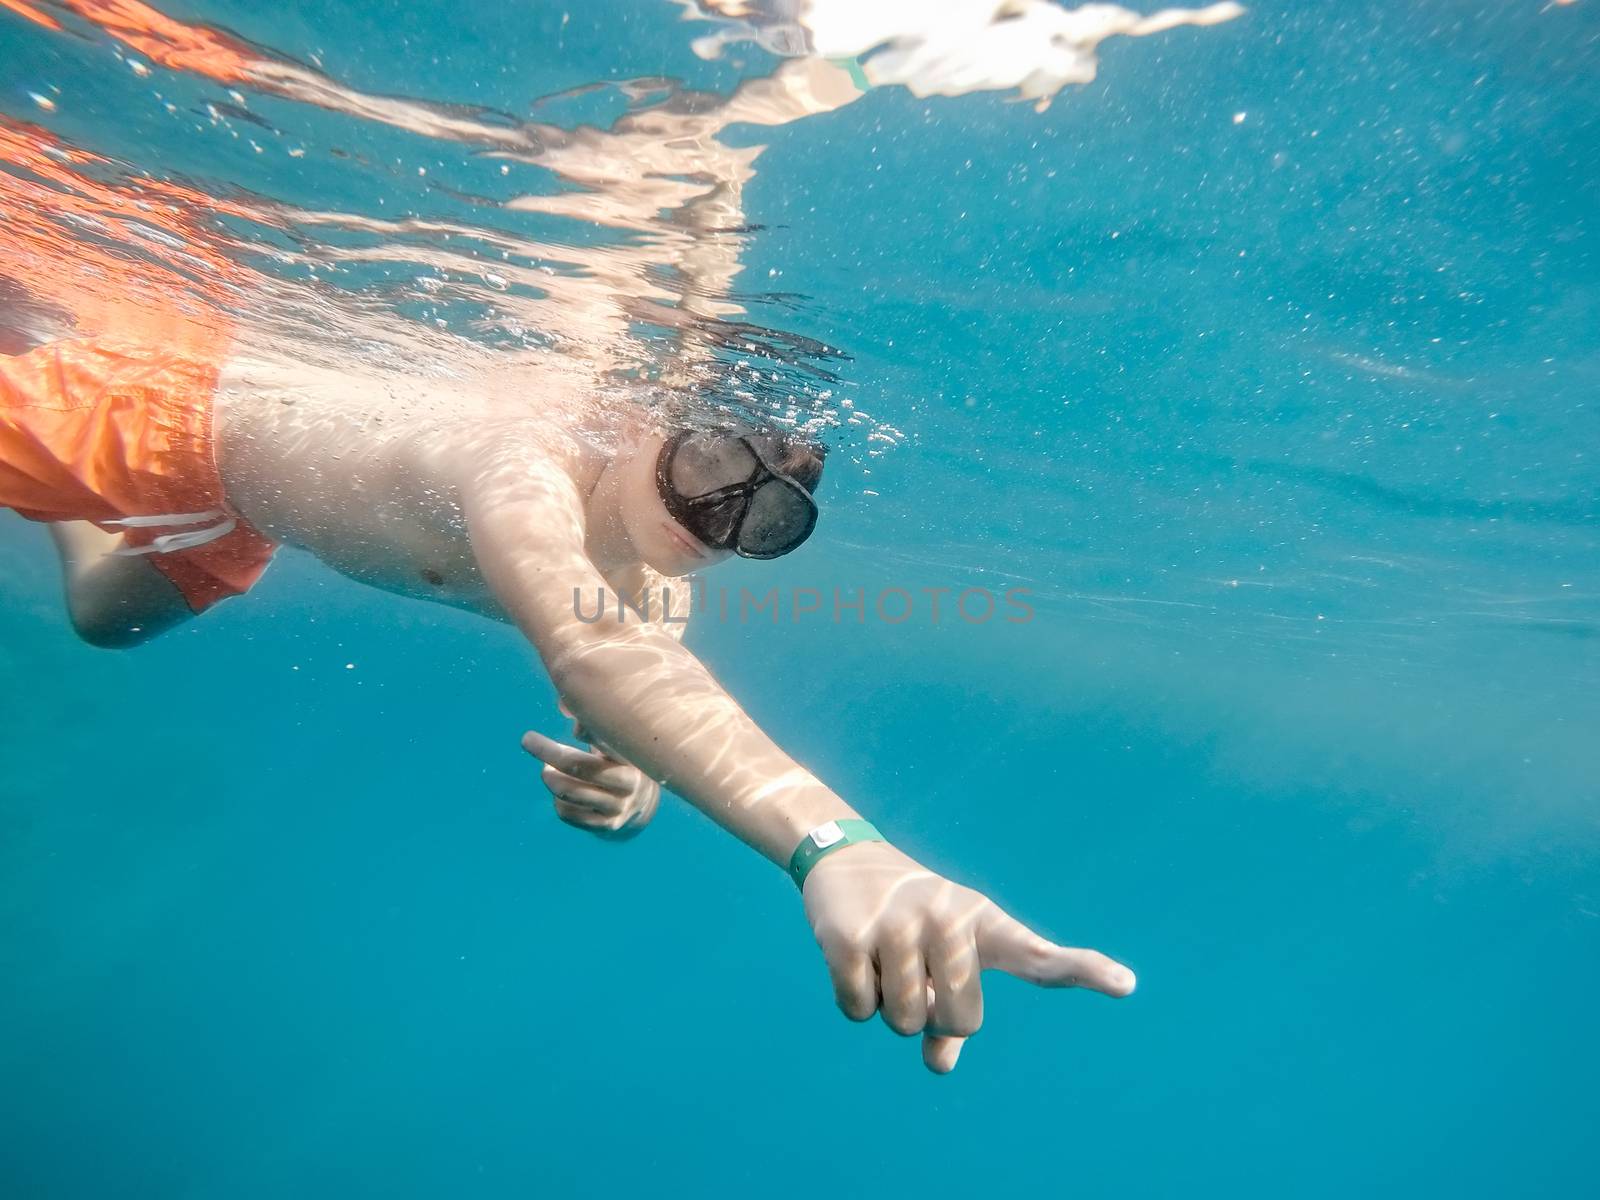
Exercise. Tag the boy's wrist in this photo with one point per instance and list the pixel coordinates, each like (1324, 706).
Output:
(790, 807)
(827, 839)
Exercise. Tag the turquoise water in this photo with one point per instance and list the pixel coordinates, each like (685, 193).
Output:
(1267, 362)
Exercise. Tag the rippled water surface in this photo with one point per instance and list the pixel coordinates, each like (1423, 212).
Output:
(1260, 347)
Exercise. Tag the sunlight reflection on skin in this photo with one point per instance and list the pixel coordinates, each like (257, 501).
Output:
(478, 471)
(886, 925)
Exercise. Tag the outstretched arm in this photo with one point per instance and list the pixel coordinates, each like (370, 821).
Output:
(897, 937)
(630, 683)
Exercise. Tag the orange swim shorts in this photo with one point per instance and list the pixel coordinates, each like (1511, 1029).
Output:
(120, 435)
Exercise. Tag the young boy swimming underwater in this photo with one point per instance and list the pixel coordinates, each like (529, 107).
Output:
(170, 472)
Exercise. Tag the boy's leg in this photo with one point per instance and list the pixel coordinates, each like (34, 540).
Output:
(114, 602)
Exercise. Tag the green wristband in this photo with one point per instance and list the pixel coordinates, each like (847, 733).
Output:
(858, 76)
(824, 840)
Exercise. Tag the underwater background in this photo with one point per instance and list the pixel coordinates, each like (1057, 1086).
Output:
(1267, 362)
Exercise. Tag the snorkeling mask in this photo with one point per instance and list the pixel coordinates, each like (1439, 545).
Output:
(722, 487)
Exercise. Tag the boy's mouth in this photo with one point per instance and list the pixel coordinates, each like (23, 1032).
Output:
(682, 541)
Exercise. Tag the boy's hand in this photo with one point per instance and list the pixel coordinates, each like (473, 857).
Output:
(592, 789)
(900, 939)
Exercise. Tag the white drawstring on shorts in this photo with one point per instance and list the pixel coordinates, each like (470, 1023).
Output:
(167, 543)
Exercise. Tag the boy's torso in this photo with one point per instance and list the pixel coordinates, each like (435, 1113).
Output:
(365, 470)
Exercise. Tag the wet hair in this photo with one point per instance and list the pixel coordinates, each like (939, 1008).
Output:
(801, 460)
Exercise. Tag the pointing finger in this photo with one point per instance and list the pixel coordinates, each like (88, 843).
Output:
(1008, 945)
(559, 755)
(580, 764)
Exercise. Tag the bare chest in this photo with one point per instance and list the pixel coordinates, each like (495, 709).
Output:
(359, 473)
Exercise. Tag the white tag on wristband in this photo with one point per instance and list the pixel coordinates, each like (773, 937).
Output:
(826, 835)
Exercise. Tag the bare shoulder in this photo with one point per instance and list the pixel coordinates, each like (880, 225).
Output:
(514, 456)
(519, 473)
(525, 436)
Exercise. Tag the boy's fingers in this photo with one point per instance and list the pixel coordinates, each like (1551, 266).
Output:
(956, 1010)
(903, 976)
(646, 807)
(581, 794)
(556, 754)
(1008, 945)
(584, 818)
(939, 1053)
(940, 1050)
(955, 989)
(580, 764)
(855, 987)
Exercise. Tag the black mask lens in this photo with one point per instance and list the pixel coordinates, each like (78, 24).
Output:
(723, 489)
(781, 516)
(703, 463)
(717, 522)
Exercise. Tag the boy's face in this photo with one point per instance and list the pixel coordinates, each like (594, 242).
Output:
(663, 544)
